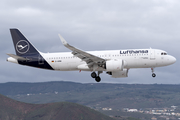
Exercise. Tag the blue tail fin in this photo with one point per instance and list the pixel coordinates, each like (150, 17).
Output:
(26, 53)
(22, 46)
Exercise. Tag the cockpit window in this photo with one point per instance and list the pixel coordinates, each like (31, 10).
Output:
(163, 53)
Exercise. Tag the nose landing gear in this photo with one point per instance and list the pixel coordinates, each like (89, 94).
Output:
(153, 74)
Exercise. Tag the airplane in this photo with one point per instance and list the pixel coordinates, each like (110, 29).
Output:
(114, 62)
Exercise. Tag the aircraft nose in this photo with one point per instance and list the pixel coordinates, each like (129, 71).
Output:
(172, 59)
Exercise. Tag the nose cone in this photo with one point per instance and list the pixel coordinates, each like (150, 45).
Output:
(172, 60)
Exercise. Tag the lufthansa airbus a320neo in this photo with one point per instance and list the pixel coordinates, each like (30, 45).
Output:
(114, 62)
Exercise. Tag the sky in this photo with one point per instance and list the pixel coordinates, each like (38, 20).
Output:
(91, 25)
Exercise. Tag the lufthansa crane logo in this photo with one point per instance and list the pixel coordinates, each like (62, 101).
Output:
(22, 46)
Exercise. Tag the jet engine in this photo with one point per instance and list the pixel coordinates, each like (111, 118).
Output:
(119, 74)
(115, 65)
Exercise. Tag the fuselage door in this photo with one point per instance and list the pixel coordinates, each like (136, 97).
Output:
(152, 54)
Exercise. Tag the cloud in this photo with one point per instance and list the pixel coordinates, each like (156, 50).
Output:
(28, 12)
(91, 25)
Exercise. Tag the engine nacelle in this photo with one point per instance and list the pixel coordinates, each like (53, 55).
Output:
(119, 74)
(115, 65)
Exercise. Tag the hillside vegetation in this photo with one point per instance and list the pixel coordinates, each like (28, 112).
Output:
(14, 110)
(97, 95)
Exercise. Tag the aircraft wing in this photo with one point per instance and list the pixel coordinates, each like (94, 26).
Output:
(90, 59)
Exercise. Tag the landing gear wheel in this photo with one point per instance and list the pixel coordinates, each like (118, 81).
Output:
(93, 75)
(153, 75)
(98, 79)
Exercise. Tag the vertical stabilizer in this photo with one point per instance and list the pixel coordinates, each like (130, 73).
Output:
(22, 46)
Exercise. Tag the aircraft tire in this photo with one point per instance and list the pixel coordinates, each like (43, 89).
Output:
(153, 75)
(98, 79)
(93, 75)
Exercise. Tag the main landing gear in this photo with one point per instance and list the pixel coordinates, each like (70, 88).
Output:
(153, 74)
(94, 75)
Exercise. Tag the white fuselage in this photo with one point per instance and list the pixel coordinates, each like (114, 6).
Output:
(66, 61)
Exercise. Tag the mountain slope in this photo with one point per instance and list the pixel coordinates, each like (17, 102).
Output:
(14, 110)
(96, 95)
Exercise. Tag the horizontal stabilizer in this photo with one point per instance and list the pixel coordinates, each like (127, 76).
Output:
(17, 57)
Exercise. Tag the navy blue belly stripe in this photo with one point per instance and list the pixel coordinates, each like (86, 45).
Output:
(36, 60)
